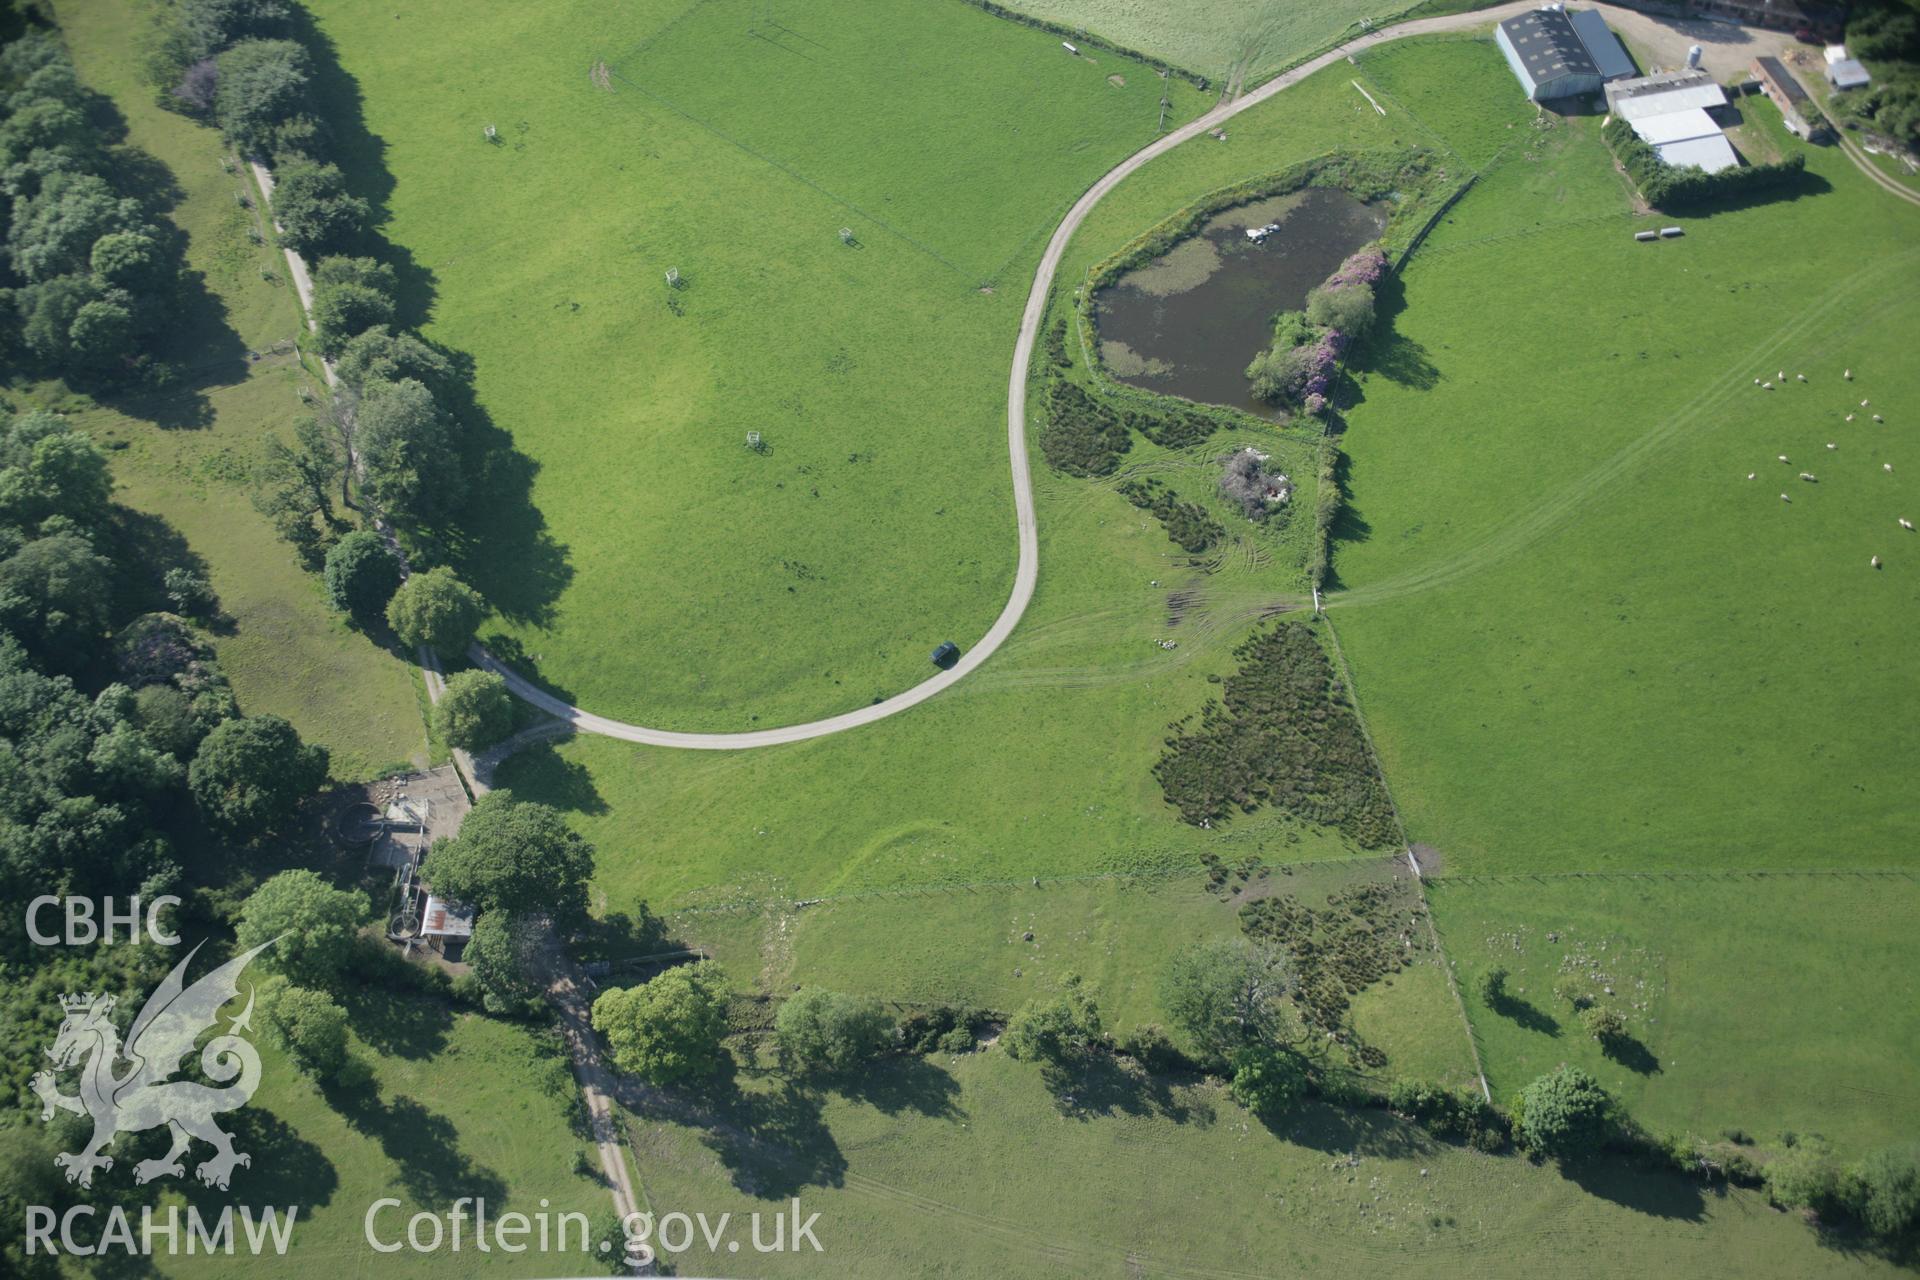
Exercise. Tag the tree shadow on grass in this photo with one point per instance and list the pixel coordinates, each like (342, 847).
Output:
(1100, 1084)
(1349, 525)
(395, 1025)
(898, 1085)
(362, 158)
(1656, 1193)
(424, 1144)
(539, 772)
(773, 1142)
(1353, 1131)
(1385, 351)
(286, 1168)
(1528, 1015)
(1630, 1053)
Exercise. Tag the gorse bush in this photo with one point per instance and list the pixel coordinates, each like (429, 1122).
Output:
(1187, 523)
(1283, 733)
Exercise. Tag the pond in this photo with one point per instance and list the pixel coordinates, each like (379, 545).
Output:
(1190, 321)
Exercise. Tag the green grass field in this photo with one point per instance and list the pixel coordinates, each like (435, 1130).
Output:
(460, 1105)
(968, 1166)
(970, 946)
(1039, 764)
(1211, 37)
(1762, 1004)
(680, 579)
(187, 459)
(1583, 636)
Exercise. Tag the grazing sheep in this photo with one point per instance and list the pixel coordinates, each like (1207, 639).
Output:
(1782, 375)
(1752, 474)
(1876, 562)
(1849, 417)
(1848, 375)
(1878, 418)
(1832, 445)
(1766, 386)
(1905, 523)
(1886, 466)
(1783, 457)
(1865, 403)
(1808, 476)
(1801, 376)
(1756, 382)
(1785, 498)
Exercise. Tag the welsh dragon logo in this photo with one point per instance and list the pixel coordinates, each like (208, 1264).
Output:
(144, 1096)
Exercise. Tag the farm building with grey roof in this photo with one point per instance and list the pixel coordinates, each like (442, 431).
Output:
(1557, 53)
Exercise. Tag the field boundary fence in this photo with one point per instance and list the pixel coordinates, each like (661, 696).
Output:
(1703, 874)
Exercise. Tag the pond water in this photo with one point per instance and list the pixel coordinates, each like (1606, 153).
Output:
(1190, 321)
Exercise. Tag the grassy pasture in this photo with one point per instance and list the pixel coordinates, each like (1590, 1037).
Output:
(1213, 38)
(460, 1105)
(680, 579)
(1584, 638)
(1039, 764)
(968, 1166)
(969, 946)
(1774, 1004)
(186, 458)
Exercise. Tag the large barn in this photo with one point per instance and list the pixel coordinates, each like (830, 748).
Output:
(1560, 54)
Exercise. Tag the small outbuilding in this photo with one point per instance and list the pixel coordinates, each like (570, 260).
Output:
(1796, 108)
(446, 926)
(1848, 74)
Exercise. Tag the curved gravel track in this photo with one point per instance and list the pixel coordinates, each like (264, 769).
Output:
(1027, 572)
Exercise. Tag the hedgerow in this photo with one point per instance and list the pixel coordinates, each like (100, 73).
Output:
(1666, 187)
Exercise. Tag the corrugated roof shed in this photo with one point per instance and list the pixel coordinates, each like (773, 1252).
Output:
(1676, 126)
(1548, 46)
(1688, 98)
(1848, 74)
(1712, 154)
(1609, 58)
(443, 919)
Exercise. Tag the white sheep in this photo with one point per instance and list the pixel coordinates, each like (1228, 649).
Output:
(1756, 382)
(1832, 445)
(1808, 477)
(1905, 523)
(1849, 417)
(1752, 474)
(1801, 376)
(1878, 418)
(1782, 375)
(1785, 498)
(1783, 457)
(1848, 375)
(1766, 386)
(1886, 466)
(1876, 562)
(1865, 403)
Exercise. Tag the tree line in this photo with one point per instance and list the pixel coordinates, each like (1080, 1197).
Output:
(90, 276)
(387, 444)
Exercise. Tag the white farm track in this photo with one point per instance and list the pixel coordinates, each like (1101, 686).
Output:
(1519, 532)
